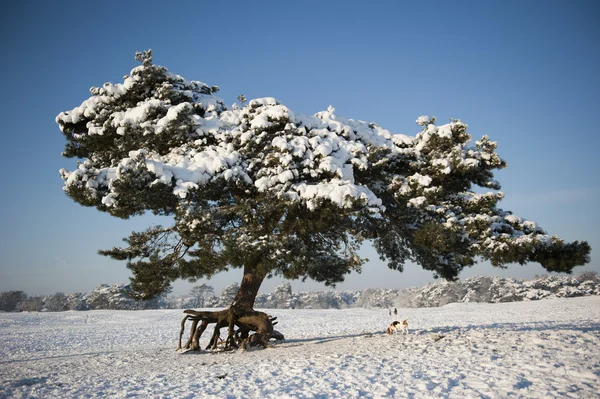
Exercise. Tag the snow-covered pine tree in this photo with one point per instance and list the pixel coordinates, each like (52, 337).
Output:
(273, 192)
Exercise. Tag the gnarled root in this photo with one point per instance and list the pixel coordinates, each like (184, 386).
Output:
(245, 320)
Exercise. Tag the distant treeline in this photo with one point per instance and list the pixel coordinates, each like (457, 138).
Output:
(475, 289)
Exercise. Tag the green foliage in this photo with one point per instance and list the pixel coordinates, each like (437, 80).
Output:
(152, 256)
(136, 194)
(562, 257)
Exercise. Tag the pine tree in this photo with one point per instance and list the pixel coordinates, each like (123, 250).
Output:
(272, 192)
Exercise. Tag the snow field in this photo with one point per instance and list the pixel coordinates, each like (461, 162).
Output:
(537, 349)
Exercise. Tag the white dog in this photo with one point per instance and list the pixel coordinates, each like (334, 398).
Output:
(398, 325)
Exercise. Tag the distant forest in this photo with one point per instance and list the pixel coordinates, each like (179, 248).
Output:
(475, 289)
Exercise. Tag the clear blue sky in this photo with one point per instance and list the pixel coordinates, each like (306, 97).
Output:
(523, 72)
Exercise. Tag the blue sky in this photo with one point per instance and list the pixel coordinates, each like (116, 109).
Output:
(522, 72)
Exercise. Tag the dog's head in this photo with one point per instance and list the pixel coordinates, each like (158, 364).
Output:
(405, 322)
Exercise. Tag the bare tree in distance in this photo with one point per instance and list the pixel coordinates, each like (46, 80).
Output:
(200, 293)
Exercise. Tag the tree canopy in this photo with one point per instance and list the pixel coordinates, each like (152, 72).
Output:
(278, 193)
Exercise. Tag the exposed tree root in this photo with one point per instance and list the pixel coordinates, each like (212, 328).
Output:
(246, 321)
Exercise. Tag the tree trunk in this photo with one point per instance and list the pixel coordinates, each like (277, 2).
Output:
(240, 314)
(246, 295)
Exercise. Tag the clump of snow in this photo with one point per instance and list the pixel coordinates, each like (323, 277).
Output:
(424, 120)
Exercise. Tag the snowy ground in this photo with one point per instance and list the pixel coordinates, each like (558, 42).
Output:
(548, 348)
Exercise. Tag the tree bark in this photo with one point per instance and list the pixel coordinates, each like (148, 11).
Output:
(251, 282)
